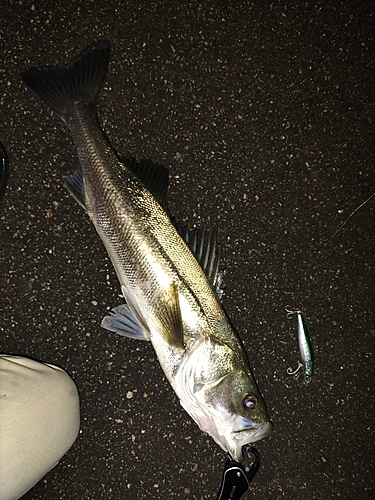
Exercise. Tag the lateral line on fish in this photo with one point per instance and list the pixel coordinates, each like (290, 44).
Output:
(167, 289)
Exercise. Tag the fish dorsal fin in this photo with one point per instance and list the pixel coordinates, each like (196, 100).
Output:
(202, 242)
(154, 176)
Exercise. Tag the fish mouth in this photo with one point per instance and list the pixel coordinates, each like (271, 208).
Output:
(261, 432)
(243, 425)
(248, 436)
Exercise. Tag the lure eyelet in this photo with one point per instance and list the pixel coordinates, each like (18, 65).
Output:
(250, 401)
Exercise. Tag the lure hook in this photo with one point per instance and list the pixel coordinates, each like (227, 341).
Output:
(295, 372)
(291, 312)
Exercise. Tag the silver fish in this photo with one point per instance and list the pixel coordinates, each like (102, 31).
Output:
(169, 277)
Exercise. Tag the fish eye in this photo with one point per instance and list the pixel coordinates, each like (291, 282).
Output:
(250, 401)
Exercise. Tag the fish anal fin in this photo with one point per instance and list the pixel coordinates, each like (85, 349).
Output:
(75, 185)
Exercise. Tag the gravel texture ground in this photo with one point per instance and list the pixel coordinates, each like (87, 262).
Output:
(264, 113)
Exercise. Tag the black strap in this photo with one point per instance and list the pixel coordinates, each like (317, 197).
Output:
(236, 480)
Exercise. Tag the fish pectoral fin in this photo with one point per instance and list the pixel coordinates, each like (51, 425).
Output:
(167, 310)
(122, 321)
(76, 187)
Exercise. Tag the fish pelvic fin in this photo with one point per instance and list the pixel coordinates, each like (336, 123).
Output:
(122, 320)
(78, 82)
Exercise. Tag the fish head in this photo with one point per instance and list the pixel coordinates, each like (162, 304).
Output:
(235, 413)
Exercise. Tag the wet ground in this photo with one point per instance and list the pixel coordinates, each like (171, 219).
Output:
(264, 113)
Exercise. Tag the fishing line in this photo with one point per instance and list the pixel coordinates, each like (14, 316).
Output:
(337, 231)
(306, 363)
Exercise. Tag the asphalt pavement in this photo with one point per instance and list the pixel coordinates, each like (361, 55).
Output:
(264, 114)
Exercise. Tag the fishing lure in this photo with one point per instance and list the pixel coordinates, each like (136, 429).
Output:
(307, 358)
(306, 365)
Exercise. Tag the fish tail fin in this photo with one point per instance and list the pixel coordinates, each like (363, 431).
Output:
(76, 83)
